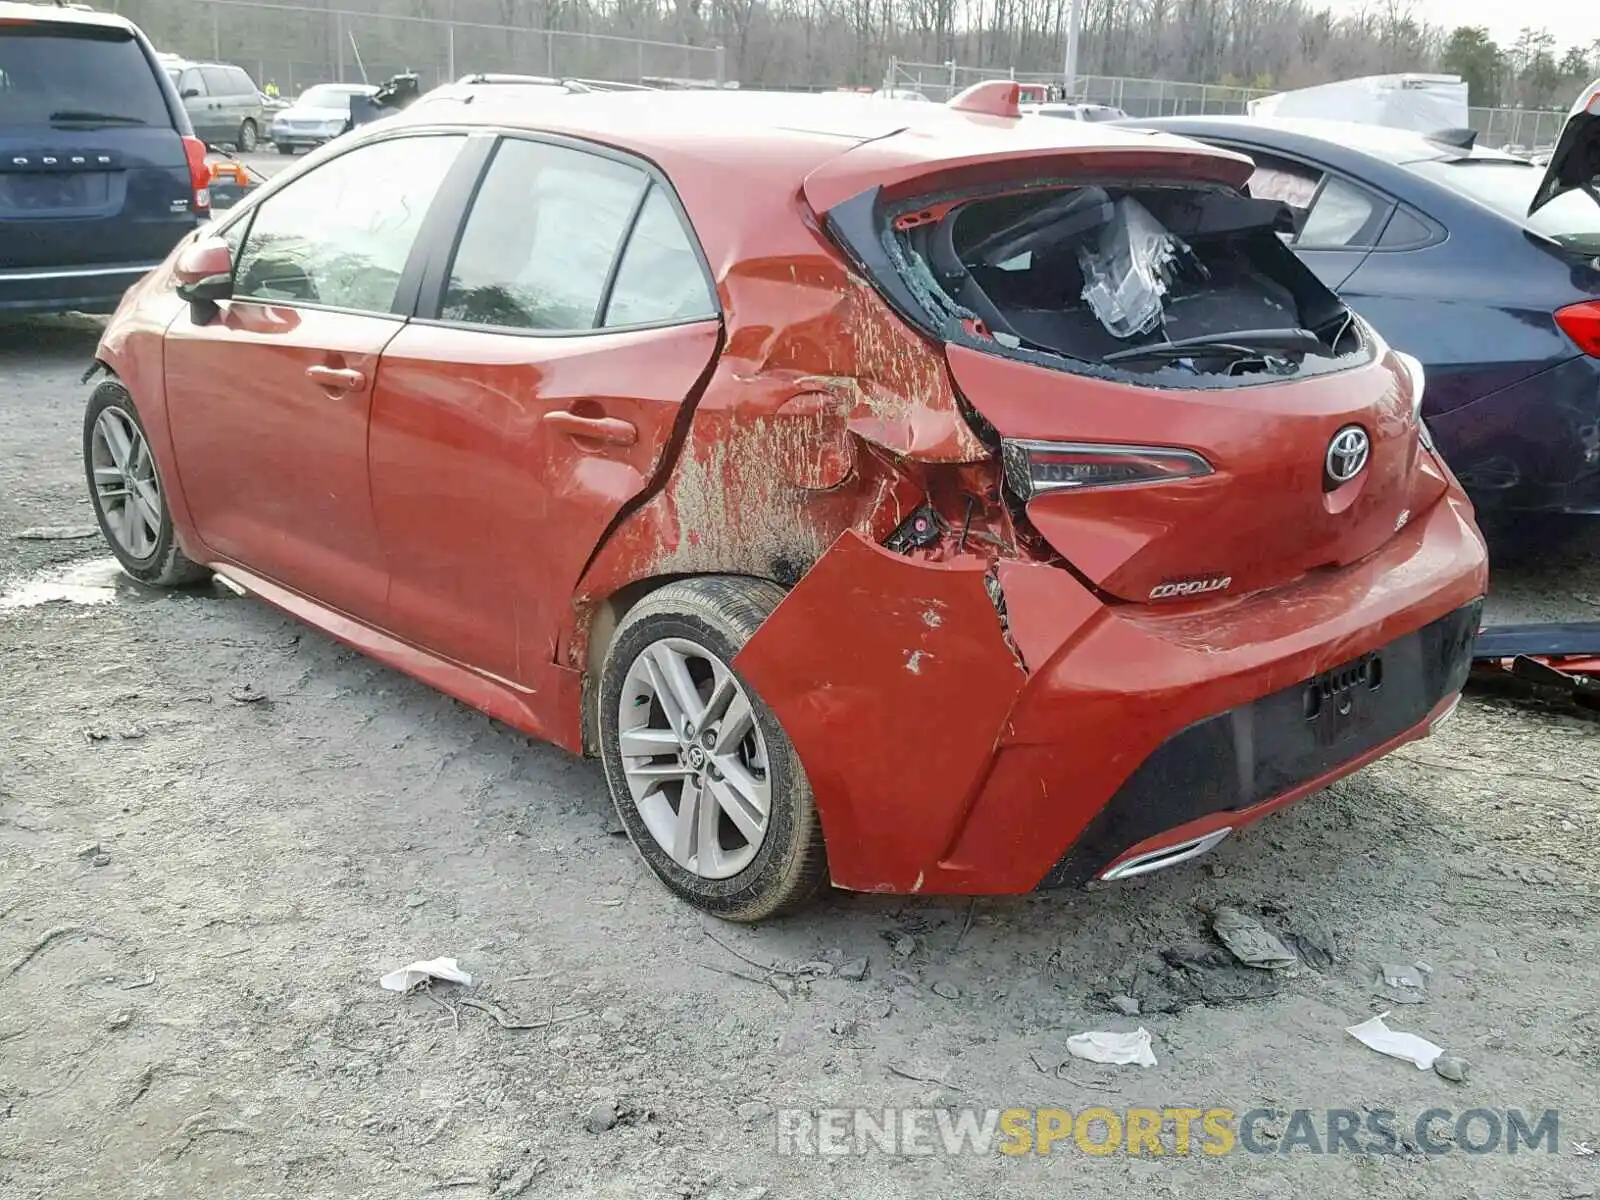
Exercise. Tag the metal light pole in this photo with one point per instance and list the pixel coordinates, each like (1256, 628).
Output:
(1074, 32)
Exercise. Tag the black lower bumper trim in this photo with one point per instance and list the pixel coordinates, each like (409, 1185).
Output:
(1247, 755)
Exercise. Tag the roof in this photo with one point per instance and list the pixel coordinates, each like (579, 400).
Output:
(740, 160)
(1380, 141)
(16, 14)
(723, 127)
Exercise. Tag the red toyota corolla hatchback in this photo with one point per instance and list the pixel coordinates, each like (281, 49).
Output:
(907, 497)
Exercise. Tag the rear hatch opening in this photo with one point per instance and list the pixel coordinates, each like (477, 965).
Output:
(1188, 284)
(1180, 409)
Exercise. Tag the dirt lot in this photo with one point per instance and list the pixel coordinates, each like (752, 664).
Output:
(192, 1009)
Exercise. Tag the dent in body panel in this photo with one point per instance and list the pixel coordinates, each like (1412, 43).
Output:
(820, 402)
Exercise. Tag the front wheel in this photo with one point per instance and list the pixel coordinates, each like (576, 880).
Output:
(125, 488)
(704, 778)
(284, 148)
(248, 137)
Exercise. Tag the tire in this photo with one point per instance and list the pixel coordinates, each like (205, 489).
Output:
(710, 617)
(148, 553)
(249, 136)
(284, 148)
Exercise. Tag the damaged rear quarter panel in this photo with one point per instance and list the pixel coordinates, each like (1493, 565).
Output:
(818, 390)
(893, 680)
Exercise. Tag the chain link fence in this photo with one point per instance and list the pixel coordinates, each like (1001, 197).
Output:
(296, 47)
(1522, 130)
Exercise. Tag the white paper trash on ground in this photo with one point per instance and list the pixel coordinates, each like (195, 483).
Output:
(1409, 1046)
(407, 978)
(1115, 1048)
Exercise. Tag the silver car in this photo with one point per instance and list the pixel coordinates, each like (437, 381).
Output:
(320, 114)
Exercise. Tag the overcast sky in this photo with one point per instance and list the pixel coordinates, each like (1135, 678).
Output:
(1569, 20)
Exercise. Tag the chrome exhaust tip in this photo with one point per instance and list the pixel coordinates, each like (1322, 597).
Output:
(1168, 856)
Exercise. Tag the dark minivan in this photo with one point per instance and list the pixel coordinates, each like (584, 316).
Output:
(100, 173)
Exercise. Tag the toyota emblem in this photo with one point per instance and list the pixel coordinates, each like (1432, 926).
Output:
(1347, 455)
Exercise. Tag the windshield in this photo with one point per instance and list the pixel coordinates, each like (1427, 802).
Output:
(1507, 186)
(325, 96)
(53, 75)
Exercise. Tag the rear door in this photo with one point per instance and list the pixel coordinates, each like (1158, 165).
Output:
(247, 104)
(269, 401)
(222, 104)
(533, 398)
(197, 103)
(92, 165)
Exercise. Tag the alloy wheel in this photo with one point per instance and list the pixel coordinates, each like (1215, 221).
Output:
(125, 485)
(694, 758)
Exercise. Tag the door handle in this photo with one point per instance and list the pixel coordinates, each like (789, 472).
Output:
(613, 431)
(335, 379)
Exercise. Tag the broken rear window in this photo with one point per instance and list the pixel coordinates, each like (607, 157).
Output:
(1186, 279)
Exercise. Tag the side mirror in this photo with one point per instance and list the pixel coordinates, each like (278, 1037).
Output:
(204, 272)
(189, 93)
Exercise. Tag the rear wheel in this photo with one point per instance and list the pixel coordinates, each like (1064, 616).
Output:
(126, 491)
(705, 780)
(284, 147)
(248, 137)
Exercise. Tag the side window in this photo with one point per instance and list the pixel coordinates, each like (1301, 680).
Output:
(539, 243)
(660, 278)
(1292, 183)
(1329, 212)
(1405, 231)
(191, 82)
(217, 82)
(239, 82)
(1343, 215)
(340, 235)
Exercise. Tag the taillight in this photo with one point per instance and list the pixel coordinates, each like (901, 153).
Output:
(1419, 381)
(199, 174)
(1033, 468)
(1581, 323)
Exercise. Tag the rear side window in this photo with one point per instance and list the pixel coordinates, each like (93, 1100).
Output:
(544, 230)
(241, 84)
(660, 277)
(53, 75)
(1405, 231)
(1507, 185)
(340, 235)
(218, 82)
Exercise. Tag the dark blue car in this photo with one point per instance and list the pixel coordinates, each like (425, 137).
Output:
(1433, 242)
(100, 175)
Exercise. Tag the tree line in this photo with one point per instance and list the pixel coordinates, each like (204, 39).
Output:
(1270, 44)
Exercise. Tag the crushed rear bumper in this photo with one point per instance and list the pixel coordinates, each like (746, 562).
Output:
(1237, 761)
(953, 749)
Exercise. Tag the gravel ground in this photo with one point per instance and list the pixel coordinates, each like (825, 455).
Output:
(218, 828)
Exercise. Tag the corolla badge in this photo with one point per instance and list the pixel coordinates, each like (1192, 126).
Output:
(1347, 454)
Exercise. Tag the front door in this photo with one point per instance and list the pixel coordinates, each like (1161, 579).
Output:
(511, 427)
(270, 400)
